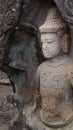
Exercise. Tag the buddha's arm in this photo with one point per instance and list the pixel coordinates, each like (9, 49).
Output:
(37, 84)
(71, 81)
(37, 81)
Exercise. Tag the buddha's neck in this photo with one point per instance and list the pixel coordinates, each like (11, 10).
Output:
(59, 60)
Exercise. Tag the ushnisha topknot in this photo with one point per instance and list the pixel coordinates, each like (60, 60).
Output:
(53, 22)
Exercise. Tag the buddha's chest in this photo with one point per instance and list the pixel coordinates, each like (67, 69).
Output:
(56, 94)
(56, 79)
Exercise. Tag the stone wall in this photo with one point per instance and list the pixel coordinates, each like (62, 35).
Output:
(4, 79)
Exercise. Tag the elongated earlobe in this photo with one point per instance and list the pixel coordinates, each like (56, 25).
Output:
(66, 43)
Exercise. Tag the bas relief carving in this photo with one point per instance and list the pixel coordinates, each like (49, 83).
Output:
(39, 33)
(54, 76)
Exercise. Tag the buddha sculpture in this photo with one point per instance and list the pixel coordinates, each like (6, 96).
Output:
(54, 78)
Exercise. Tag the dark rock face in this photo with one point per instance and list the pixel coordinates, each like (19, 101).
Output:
(21, 53)
(9, 15)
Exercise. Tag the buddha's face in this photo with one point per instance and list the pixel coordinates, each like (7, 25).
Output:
(51, 45)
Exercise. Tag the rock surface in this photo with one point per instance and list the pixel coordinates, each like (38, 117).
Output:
(7, 110)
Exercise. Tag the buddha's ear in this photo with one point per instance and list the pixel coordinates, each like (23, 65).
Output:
(66, 43)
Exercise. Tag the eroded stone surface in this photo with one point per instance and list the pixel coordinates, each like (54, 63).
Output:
(66, 8)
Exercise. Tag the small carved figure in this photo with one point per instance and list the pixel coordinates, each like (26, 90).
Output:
(54, 77)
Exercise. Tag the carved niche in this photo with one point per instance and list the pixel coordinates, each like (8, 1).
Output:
(24, 34)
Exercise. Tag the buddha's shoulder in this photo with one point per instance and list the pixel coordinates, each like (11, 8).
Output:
(68, 64)
(43, 65)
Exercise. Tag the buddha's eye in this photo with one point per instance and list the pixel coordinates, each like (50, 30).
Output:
(48, 40)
